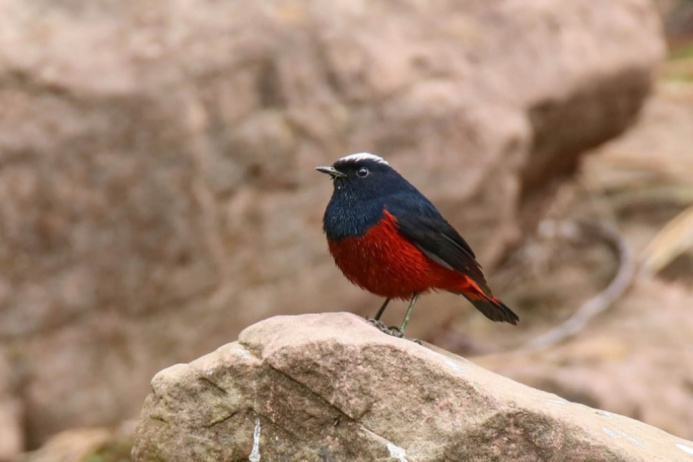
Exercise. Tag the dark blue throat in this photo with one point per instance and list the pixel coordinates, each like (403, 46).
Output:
(350, 215)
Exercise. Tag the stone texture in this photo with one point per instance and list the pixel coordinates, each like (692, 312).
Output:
(331, 387)
(632, 360)
(85, 445)
(11, 416)
(156, 160)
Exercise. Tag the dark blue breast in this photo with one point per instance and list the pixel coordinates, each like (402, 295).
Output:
(349, 216)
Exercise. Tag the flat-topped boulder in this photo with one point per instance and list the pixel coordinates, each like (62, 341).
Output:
(332, 387)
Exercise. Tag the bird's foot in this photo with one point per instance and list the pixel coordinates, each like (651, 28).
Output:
(392, 330)
(378, 324)
(397, 332)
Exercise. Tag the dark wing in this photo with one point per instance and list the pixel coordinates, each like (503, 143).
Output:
(421, 223)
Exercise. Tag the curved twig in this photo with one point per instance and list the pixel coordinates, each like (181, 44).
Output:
(603, 300)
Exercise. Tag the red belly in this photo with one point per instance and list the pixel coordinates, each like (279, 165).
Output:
(386, 264)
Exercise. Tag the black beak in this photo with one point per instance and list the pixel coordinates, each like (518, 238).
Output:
(333, 172)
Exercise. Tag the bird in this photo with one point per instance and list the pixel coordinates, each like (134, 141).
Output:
(389, 239)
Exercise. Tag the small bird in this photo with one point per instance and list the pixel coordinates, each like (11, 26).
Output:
(390, 240)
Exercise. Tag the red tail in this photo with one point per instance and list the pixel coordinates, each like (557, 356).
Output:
(490, 306)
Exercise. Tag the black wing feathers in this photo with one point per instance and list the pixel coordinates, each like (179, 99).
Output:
(421, 223)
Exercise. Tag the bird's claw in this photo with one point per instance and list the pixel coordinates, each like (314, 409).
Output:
(396, 332)
(392, 330)
(378, 324)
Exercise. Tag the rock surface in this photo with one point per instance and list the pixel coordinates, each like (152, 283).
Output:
(85, 445)
(331, 387)
(11, 432)
(156, 160)
(631, 360)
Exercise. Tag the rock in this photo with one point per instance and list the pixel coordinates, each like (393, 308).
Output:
(156, 160)
(631, 360)
(85, 444)
(331, 387)
(11, 416)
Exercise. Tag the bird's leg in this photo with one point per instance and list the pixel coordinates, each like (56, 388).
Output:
(399, 333)
(394, 331)
(410, 308)
(377, 322)
(382, 309)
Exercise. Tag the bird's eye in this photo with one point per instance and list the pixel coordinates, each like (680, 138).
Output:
(362, 172)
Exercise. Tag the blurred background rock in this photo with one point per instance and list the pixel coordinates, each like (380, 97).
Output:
(157, 191)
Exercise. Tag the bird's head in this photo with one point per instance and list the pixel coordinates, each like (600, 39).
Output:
(363, 175)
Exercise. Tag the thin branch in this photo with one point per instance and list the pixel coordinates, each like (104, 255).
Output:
(603, 300)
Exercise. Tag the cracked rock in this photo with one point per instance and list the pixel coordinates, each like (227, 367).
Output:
(331, 387)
